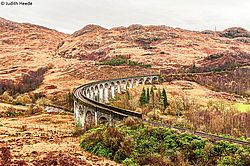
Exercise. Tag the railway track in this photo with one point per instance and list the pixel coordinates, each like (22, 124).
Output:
(199, 133)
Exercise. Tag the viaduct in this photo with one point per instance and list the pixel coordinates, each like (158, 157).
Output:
(91, 105)
(91, 100)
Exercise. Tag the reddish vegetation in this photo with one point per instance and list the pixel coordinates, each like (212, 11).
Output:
(236, 81)
(30, 46)
(224, 61)
(33, 56)
(160, 46)
(21, 80)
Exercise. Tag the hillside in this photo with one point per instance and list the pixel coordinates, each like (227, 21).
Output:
(161, 46)
(46, 64)
(72, 59)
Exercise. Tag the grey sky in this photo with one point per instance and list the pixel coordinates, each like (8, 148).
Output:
(71, 15)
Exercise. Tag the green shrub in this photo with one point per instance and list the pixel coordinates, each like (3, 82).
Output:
(43, 101)
(129, 162)
(100, 150)
(122, 60)
(145, 145)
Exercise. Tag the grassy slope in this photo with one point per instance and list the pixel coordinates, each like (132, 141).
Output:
(133, 143)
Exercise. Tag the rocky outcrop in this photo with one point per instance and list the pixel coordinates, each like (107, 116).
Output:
(235, 32)
(88, 29)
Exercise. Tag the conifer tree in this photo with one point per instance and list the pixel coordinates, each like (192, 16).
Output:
(164, 99)
(143, 98)
(148, 95)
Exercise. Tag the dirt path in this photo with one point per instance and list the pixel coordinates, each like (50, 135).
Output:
(32, 138)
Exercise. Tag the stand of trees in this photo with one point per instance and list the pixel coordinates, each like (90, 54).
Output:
(148, 98)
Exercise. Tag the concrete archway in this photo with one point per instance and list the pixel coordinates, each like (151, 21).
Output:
(130, 83)
(125, 85)
(101, 93)
(96, 93)
(89, 118)
(103, 120)
(118, 87)
(88, 112)
(148, 80)
(106, 92)
(155, 80)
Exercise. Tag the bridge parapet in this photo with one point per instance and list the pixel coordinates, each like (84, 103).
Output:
(91, 100)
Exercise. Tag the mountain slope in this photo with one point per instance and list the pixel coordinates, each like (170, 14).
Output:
(160, 46)
(72, 59)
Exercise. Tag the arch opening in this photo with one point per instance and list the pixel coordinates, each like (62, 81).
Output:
(103, 120)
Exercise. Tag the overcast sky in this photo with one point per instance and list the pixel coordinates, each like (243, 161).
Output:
(71, 15)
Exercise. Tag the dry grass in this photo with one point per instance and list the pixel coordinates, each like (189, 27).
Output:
(32, 138)
(192, 106)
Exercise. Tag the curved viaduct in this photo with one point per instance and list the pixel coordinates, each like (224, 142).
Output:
(91, 100)
(91, 104)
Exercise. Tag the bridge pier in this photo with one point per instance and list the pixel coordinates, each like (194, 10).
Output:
(97, 95)
(112, 90)
(119, 88)
(101, 94)
(137, 82)
(125, 86)
(131, 84)
(92, 95)
(106, 94)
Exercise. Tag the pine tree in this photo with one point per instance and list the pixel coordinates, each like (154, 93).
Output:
(148, 95)
(164, 99)
(152, 97)
(143, 98)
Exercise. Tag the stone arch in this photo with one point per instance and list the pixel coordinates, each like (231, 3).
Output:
(136, 81)
(141, 80)
(101, 93)
(118, 86)
(148, 80)
(103, 120)
(118, 82)
(106, 92)
(130, 83)
(96, 93)
(89, 118)
(106, 84)
(124, 83)
(155, 80)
